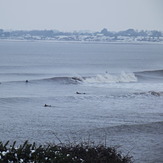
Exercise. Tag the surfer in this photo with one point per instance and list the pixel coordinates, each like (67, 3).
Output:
(80, 93)
(47, 105)
(26, 81)
(76, 79)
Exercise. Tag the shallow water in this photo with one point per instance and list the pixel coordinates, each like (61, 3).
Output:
(122, 104)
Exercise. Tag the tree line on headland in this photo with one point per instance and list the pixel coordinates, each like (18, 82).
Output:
(128, 35)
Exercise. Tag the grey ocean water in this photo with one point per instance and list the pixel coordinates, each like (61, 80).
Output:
(122, 104)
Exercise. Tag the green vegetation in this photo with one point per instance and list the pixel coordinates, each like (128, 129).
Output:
(81, 153)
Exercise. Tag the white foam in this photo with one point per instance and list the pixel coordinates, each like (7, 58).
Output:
(111, 78)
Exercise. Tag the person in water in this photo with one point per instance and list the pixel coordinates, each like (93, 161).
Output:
(26, 81)
(47, 105)
(80, 93)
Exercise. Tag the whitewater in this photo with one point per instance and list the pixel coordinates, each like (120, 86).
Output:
(103, 93)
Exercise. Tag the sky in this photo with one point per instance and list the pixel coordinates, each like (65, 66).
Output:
(71, 15)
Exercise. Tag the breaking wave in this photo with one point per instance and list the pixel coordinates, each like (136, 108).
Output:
(111, 78)
(107, 78)
(96, 79)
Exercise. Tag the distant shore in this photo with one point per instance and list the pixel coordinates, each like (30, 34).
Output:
(103, 36)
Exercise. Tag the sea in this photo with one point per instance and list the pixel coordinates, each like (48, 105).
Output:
(73, 92)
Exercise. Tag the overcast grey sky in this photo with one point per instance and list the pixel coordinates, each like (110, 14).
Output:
(69, 15)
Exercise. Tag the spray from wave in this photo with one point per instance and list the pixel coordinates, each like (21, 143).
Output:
(111, 78)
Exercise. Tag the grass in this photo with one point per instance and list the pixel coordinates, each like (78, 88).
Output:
(51, 153)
